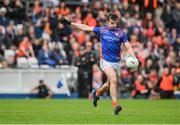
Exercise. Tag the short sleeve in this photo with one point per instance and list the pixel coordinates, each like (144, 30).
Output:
(124, 37)
(96, 30)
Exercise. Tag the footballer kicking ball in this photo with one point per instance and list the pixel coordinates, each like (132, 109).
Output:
(132, 62)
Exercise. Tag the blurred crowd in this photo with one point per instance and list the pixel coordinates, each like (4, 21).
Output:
(34, 37)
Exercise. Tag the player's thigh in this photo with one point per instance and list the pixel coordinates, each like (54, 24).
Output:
(110, 73)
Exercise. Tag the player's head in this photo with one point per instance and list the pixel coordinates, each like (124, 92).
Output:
(112, 20)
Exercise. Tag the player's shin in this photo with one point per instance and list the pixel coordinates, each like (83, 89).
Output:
(113, 93)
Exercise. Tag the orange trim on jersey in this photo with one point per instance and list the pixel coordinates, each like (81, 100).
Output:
(100, 53)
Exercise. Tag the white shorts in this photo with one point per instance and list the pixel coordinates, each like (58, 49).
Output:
(115, 65)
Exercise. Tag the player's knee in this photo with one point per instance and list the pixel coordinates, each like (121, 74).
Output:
(108, 85)
(113, 80)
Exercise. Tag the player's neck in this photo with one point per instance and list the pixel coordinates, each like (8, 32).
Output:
(111, 29)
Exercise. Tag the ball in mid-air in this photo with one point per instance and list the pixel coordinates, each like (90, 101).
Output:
(132, 62)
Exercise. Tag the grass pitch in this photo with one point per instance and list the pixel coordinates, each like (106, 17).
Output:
(81, 111)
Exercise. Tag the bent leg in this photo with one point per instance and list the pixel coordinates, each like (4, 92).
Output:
(103, 88)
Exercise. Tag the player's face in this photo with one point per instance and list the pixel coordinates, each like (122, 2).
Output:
(112, 23)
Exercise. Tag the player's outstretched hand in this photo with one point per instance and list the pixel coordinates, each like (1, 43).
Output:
(65, 21)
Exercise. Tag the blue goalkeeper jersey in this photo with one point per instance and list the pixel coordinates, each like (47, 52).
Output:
(111, 42)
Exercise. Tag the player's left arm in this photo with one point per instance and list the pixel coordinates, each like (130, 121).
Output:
(129, 49)
(127, 45)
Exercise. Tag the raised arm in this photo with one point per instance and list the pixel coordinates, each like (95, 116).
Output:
(76, 25)
(82, 27)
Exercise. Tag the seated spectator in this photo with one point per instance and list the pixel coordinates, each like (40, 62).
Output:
(39, 28)
(63, 9)
(126, 81)
(10, 58)
(43, 90)
(58, 55)
(44, 57)
(152, 83)
(90, 21)
(3, 19)
(9, 37)
(172, 36)
(176, 45)
(140, 89)
(166, 84)
(147, 68)
(19, 34)
(61, 31)
(37, 46)
(25, 48)
(18, 12)
(36, 11)
(177, 79)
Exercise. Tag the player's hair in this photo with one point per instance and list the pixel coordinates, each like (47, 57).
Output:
(112, 16)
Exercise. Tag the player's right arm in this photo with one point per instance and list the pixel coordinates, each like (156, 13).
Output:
(76, 25)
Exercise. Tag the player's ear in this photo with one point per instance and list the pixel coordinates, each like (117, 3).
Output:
(118, 24)
(106, 23)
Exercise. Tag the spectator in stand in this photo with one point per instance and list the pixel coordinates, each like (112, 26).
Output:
(90, 21)
(152, 84)
(176, 16)
(177, 79)
(172, 36)
(8, 5)
(176, 45)
(25, 48)
(140, 90)
(58, 55)
(125, 82)
(10, 37)
(44, 56)
(62, 10)
(3, 19)
(37, 45)
(61, 31)
(18, 12)
(166, 84)
(39, 28)
(36, 11)
(19, 35)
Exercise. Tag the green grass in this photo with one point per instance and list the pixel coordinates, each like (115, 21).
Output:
(81, 111)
